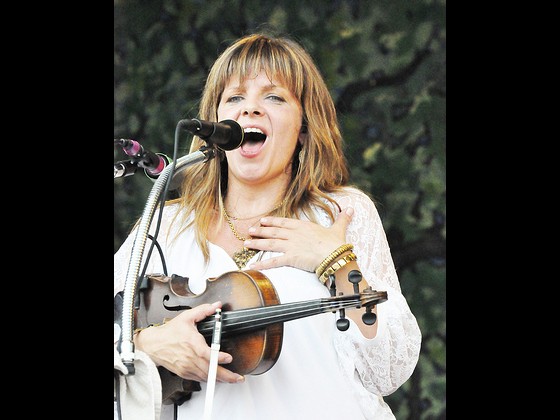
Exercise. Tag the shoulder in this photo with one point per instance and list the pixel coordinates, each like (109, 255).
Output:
(350, 196)
(366, 214)
(173, 215)
(174, 209)
(351, 191)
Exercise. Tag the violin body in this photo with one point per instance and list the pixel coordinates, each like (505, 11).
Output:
(254, 352)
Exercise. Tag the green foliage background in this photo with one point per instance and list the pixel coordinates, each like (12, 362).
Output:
(385, 64)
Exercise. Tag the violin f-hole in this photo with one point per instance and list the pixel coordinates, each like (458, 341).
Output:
(175, 307)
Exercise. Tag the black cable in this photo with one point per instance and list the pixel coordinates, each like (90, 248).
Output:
(161, 256)
(164, 266)
(162, 199)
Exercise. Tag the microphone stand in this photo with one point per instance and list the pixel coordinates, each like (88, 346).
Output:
(127, 345)
(124, 168)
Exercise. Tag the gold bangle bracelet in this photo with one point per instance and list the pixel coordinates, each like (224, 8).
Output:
(332, 257)
(337, 265)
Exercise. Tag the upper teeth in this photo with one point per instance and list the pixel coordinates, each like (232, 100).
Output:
(252, 130)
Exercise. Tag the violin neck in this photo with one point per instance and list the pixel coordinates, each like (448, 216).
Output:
(244, 320)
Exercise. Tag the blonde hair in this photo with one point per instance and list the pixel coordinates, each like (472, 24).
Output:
(322, 169)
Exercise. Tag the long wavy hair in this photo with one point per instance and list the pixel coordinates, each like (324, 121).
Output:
(318, 165)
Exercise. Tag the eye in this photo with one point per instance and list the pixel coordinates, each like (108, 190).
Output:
(275, 98)
(234, 98)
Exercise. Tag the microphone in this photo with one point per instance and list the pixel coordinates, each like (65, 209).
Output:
(226, 134)
(153, 163)
(156, 163)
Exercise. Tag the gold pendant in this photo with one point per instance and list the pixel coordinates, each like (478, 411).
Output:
(242, 257)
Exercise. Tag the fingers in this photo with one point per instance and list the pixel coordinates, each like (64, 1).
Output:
(342, 221)
(200, 312)
(280, 222)
(272, 228)
(271, 232)
(197, 368)
(269, 263)
(302, 244)
(344, 218)
(225, 375)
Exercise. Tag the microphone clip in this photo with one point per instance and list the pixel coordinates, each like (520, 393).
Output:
(152, 163)
(124, 168)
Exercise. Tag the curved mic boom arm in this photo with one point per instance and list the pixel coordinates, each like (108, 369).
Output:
(127, 344)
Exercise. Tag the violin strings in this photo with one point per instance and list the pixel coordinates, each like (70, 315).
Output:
(250, 318)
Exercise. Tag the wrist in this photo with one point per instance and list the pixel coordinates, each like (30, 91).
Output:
(136, 336)
(344, 259)
(331, 262)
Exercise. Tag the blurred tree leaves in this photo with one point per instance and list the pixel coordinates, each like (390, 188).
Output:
(385, 64)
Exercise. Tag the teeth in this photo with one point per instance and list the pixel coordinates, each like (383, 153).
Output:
(252, 130)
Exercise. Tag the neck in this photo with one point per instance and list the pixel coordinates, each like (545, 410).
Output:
(250, 203)
(234, 214)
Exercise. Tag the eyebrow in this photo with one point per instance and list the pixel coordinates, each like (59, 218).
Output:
(264, 88)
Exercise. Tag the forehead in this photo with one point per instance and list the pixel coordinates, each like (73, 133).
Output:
(260, 80)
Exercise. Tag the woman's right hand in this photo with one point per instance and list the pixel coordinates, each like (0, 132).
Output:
(178, 346)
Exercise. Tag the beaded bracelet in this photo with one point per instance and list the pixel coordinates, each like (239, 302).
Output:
(337, 265)
(332, 257)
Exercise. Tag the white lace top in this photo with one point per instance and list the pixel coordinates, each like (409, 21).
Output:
(321, 372)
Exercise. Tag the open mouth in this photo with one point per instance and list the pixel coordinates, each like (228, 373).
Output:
(253, 139)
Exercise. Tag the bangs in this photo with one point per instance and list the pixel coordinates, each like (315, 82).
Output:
(248, 59)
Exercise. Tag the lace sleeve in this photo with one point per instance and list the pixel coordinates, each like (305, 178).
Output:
(385, 362)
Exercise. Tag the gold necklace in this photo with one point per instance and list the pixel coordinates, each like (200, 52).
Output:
(245, 254)
(258, 215)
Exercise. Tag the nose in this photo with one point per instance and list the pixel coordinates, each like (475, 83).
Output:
(251, 109)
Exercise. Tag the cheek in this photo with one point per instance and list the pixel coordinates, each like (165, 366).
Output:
(290, 122)
(224, 112)
(220, 113)
(294, 129)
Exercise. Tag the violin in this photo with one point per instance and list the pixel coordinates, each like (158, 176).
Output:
(252, 318)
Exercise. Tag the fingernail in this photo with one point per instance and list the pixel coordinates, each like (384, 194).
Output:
(240, 379)
(247, 242)
(349, 211)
